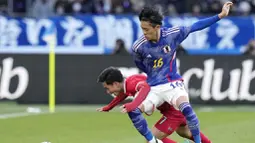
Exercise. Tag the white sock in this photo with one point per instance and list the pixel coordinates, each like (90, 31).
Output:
(153, 140)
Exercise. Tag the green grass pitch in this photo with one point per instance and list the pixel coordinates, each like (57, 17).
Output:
(82, 124)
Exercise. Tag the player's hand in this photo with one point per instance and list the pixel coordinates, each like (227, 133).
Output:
(123, 109)
(225, 9)
(102, 109)
(128, 107)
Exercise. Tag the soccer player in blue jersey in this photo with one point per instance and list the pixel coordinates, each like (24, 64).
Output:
(155, 54)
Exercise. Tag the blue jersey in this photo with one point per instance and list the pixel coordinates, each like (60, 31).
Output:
(158, 60)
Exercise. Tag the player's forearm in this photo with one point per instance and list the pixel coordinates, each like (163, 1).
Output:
(141, 95)
(115, 101)
(140, 65)
(138, 61)
(204, 23)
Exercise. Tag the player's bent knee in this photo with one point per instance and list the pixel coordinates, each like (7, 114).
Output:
(184, 131)
(180, 99)
(148, 108)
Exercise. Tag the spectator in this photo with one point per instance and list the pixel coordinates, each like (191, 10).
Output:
(81, 6)
(107, 6)
(137, 5)
(103, 6)
(3, 10)
(196, 9)
(171, 10)
(252, 6)
(180, 51)
(60, 7)
(250, 48)
(244, 8)
(75, 6)
(122, 6)
(120, 48)
(42, 8)
(214, 6)
(88, 6)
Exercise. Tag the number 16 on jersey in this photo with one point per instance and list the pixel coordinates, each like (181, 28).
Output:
(158, 63)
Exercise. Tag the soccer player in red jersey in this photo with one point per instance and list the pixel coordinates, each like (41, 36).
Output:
(136, 86)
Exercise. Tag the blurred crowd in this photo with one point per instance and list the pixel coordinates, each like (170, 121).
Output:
(168, 7)
(46, 8)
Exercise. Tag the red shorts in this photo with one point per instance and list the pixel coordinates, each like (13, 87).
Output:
(170, 123)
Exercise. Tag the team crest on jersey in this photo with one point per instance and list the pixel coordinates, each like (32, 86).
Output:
(167, 49)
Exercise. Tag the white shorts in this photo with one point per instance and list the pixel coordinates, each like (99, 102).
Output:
(159, 94)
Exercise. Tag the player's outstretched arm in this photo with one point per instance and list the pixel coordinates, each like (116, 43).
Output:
(143, 90)
(204, 23)
(119, 98)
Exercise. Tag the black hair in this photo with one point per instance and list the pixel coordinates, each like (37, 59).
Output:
(110, 75)
(151, 15)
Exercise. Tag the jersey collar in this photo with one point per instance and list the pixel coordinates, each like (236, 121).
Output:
(155, 44)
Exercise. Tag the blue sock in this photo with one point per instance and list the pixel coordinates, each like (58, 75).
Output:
(140, 124)
(192, 120)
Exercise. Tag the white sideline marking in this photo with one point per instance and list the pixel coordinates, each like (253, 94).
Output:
(18, 114)
(13, 113)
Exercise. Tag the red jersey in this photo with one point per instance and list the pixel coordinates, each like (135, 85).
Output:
(133, 83)
(136, 85)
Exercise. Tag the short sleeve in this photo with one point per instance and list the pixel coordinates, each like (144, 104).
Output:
(182, 34)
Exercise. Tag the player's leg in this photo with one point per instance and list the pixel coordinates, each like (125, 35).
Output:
(184, 106)
(184, 132)
(161, 135)
(138, 120)
(165, 127)
(151, 102)
(141, 125)
(178, 97)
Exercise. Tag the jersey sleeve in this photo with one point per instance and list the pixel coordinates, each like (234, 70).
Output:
(119, 98)
(182, 34)
(137, 56)
(197, 26)
(204, 23)
(132, 82)
(142, 89)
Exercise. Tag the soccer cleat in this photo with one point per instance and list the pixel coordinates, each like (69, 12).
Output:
(155, 140)
(158, 141)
